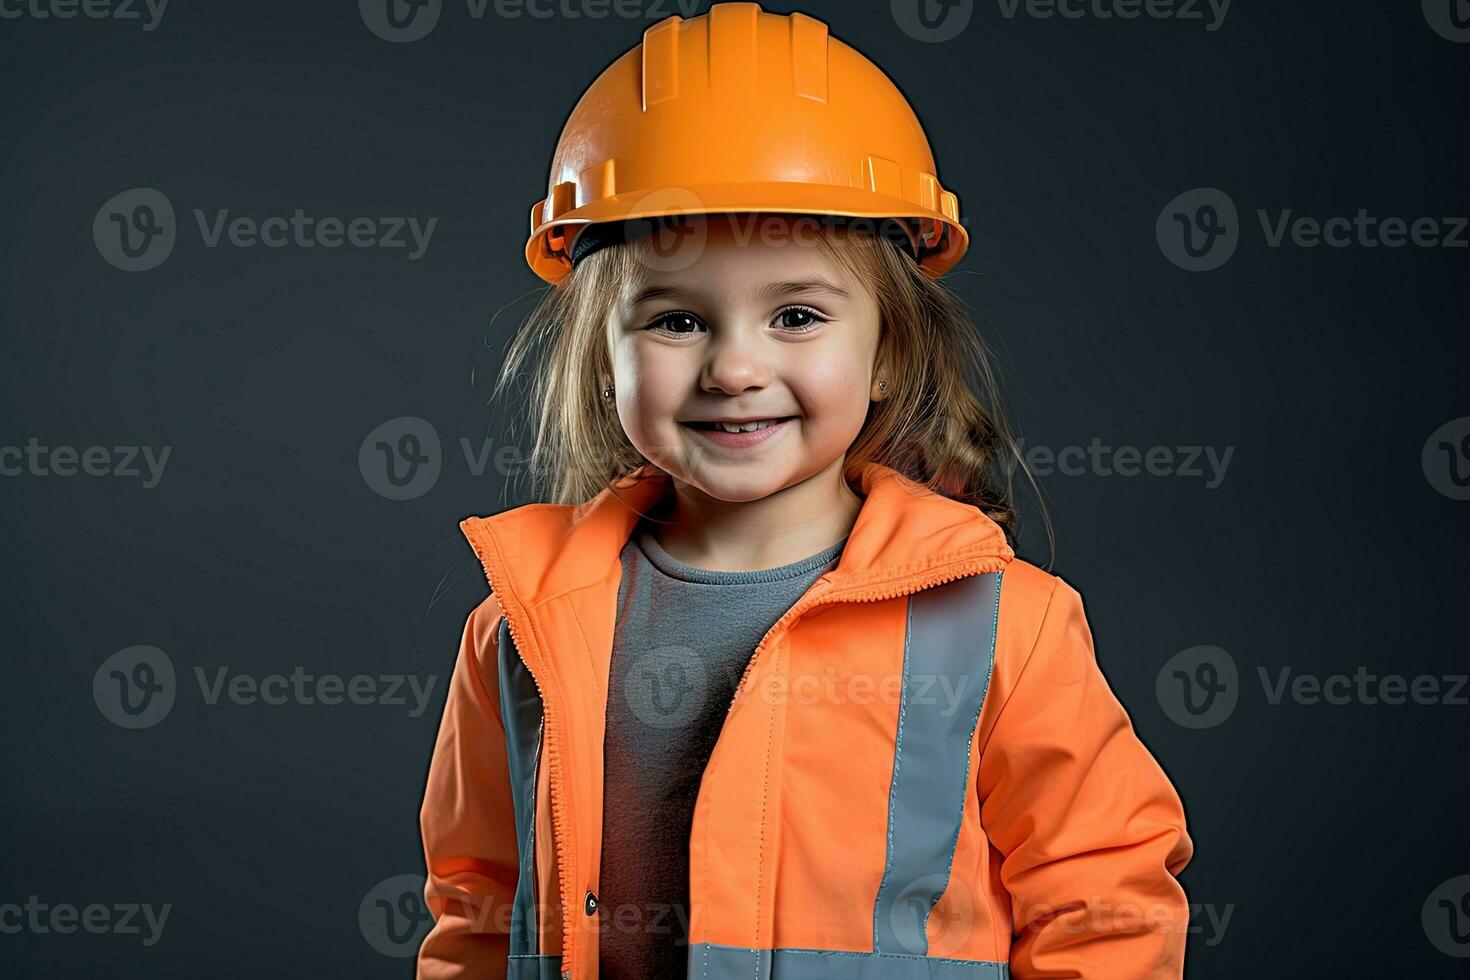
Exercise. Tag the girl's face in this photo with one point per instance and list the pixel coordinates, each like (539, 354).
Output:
(765, 330)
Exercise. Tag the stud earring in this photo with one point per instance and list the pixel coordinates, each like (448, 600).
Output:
(607, 392)
(883, 386)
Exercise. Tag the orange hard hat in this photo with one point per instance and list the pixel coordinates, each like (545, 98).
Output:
(742, 110)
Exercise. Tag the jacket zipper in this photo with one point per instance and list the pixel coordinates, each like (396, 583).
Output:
(551, 728)
(535, 788)
(948, 572)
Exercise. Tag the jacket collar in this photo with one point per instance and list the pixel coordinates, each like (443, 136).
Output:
(902, 532)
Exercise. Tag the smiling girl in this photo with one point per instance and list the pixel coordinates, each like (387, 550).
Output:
(762, 690)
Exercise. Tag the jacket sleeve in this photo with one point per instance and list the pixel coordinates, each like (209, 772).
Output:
(1091, 830)
(468, 819)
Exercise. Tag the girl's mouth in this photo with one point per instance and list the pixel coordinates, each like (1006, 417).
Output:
(748, 434)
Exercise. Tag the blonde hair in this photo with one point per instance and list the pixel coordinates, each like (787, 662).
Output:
(941, 425)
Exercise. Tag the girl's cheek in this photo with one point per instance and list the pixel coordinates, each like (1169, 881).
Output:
(830, 386)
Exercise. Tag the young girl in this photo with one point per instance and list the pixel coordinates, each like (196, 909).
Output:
(764, 692)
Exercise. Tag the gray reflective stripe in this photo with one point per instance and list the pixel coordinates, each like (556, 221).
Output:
(711, 961)
(532, 966)
(949, 650)
(521, 710)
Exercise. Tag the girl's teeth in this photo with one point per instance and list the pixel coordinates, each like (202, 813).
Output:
(747, 427)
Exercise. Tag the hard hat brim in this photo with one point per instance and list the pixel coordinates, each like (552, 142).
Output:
(549, 248)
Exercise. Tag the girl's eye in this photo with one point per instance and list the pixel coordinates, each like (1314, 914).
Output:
(810, 317)
(796, 319)
(676, 323)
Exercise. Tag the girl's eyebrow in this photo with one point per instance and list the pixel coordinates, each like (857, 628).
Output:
(816, 284)
(773, 290)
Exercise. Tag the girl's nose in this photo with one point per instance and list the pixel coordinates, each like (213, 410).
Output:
(734, 364)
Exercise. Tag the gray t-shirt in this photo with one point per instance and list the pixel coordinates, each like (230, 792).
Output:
(683, 638)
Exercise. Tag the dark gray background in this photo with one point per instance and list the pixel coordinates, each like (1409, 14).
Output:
(1321, 830)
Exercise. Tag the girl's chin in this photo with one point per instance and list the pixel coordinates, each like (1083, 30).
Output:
(733, 482)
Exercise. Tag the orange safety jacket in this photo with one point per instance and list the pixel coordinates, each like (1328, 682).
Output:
(922, 773)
